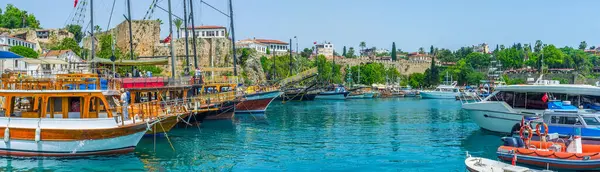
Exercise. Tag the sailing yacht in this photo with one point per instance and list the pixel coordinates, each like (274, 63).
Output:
(448, 90)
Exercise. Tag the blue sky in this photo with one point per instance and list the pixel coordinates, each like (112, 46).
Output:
(411, 24)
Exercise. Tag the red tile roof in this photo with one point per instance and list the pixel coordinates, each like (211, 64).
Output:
(208, 27)
(271, 41)
(55, 53)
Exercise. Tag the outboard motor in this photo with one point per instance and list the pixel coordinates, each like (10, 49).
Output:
(510, 141)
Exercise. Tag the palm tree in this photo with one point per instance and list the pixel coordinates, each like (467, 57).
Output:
(97, 28)
(362, 46)
(178, 23)
(421, 50)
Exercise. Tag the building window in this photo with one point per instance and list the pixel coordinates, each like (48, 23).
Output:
(222, 33)
(16, 63)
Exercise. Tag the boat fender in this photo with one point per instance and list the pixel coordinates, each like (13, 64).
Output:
(538, 128)
(38, 132)
(7, 132)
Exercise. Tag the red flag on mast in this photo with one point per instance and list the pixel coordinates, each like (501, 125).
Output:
(168, 39)
(75, 5)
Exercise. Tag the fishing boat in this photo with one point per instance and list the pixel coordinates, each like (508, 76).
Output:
(338, 93)
(257, 100)
(408, 91)
(562, 118)
(507, 105)
(478, 164)
(447, 90)
(50, 117)
(571, 154)
(298, 94)
(442, 92)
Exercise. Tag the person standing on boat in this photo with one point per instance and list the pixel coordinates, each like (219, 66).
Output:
(124, 103)
(198, 76)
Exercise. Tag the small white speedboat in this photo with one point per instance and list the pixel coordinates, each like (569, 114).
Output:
(477, 164)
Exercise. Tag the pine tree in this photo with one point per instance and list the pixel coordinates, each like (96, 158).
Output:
(394, 57)
(344, 51)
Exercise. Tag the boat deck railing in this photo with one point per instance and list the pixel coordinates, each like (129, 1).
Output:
(157, 109)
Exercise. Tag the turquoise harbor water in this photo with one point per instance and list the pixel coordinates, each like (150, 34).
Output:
(402, 134)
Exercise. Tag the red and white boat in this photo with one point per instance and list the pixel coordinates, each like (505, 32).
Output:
(257, 102)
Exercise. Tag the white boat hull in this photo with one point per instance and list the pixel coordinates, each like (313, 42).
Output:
(71, 148)
(438, 95)
(493, 116)
(68, 137)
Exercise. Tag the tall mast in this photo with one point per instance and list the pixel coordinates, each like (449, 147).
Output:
(171, 43)
(130, 33)
(291, 65)
(193, 35)
(92, 28)
(233, 38)
(187, 54)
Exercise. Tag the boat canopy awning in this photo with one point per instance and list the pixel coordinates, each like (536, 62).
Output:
(9, 55)
(148, 61)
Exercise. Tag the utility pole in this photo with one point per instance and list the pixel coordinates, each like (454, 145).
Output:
(194, 35)
(130, 34)
(187, 54)
(171, 43)
(233, 38)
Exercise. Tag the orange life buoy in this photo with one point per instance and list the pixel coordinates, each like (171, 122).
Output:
(537, 128)
(529, 135)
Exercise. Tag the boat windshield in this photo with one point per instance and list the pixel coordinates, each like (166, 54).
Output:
(591, 120)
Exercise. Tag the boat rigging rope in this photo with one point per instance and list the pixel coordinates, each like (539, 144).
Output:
(166, 135)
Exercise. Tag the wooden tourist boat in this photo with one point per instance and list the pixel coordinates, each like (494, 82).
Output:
(216, 98)
(65, 116)
(165, 98)
(257, 100)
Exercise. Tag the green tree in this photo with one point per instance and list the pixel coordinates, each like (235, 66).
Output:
(394, 55)
(433, 76)
(344, 51)
(268, 50)
(14, 18)
(478, 60)
(362, 46)
(416, 80)
(68, 44)
(305, 53)
(421, 50)
(76, 31)
(538, 46)
(351, 53)
(24, 51)
(431, 51)
(555, 58)
(97, 29)
(178, 23)
(582, 45)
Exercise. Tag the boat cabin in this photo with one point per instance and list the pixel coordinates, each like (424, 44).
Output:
(57, 104)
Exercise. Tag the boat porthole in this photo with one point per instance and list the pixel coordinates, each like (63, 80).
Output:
(485, 115)
(586, 157)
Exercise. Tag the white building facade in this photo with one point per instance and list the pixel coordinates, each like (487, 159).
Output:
(73, 62)
(7, 41)
(252, 44)
(275, 46)
(205, 32)
(325, 49)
